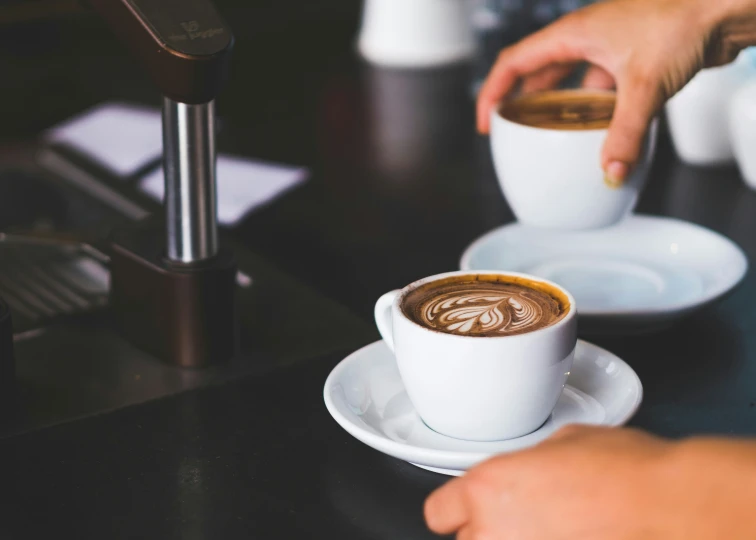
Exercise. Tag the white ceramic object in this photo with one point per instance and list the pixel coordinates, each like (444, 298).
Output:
(742, 125)
(366, 396)
(479, 388)
(698, 114)
(416, 33)
(553, 178)
(639, 276)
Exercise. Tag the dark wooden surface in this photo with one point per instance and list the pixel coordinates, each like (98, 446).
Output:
(400, 185)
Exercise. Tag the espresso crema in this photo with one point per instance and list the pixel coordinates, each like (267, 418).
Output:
(562, 109)
(485, 306)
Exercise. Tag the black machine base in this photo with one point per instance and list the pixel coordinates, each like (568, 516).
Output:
(182, 314)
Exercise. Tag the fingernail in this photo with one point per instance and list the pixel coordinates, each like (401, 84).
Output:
(615, 174)
(481, 121)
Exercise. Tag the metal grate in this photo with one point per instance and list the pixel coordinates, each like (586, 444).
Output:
(41, 280)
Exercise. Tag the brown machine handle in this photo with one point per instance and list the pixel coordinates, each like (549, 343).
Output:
(184, 44)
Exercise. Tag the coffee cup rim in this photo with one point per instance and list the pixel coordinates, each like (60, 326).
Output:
(498, 117)
(571, 312)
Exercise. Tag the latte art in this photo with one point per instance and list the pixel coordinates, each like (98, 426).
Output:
(482, 312)
(482, 307)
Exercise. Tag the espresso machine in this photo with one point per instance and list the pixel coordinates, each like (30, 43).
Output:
(172, 284)
(172, 290)
(161, 301)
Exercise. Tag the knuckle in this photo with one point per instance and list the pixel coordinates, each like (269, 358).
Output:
(479, 485)
(644, 79)
(504, 54)
(485, 534)
(575, 25)
(575, 20)
(630, 435)
(429, 509)
(570, 430)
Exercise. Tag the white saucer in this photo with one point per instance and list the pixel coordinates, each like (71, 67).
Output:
(638, 276)
(365, 395)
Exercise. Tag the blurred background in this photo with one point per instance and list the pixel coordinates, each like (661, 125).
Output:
(498, 23)
(92, 63)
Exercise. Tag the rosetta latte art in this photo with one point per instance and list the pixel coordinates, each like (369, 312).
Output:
(482, 306)
(482, 312)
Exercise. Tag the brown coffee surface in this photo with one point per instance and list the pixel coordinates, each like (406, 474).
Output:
(562, 109)
(485, 305)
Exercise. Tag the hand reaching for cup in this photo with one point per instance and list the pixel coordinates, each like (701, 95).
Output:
(646, 49)
(599, 483)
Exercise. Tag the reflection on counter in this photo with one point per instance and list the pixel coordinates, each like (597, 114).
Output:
(693, 194)
(373, 509)
(415, 118)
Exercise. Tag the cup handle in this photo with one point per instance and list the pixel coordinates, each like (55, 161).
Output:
(383, 317)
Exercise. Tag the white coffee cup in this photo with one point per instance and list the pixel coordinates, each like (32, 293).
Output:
(742, 128)
(553, 177)
(697, 115)
(480, 388)
(416, 33)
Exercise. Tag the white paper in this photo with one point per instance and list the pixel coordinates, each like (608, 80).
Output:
(122, 137)
(243, 184)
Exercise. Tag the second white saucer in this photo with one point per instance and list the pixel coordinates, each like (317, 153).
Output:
(364, 393)
(637, 276)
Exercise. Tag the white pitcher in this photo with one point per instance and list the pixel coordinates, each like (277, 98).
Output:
(416, 33)
(743, 131)
(698, 114)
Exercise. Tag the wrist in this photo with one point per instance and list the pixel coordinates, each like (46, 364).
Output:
(713, 485)
(733, 23)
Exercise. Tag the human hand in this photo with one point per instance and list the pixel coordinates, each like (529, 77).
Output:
(647, 49)
(597, 483)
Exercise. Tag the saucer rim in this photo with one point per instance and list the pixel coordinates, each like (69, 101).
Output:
(430, 456)
(669, 309)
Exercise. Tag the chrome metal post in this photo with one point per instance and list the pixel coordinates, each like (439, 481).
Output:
(190, 191)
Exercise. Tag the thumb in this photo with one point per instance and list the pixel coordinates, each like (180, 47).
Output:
(638, 100)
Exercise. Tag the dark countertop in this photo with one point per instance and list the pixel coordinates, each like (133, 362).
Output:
(259, 458)
(400, 185)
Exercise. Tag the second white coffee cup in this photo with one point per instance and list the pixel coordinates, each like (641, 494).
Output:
(480, 388)
(553, 177)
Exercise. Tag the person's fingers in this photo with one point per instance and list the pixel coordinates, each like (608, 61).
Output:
(638, 99)
(546, 78)
(598, 78)
(549, 46)
(446, 508)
